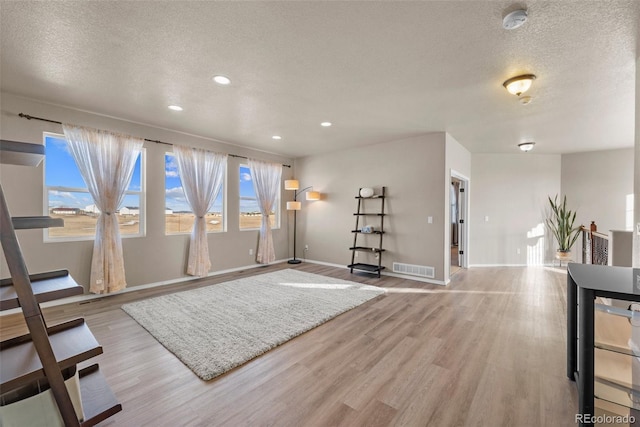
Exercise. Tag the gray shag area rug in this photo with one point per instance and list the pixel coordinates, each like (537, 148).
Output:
(219, 327)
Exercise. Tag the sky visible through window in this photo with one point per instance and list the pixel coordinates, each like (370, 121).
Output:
(175, 199)
(248, 200)
(61, 171)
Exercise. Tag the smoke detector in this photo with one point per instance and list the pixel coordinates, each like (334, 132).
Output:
(514, 19)
(525, 100)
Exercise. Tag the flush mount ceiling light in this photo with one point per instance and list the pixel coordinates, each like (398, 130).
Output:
(514, 19)
(519, 84)
(276, 137)
(222, 80)
(526, 146)
(175, 107)
(326, 124)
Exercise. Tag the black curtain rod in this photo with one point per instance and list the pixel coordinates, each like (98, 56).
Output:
(28, 117)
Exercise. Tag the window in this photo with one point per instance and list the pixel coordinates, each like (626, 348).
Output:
(250, 216)
(179, 217)
(629, 212)
(67, 196)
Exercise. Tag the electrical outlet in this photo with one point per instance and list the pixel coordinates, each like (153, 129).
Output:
(518, 251)
(250, 251)
(306, 247)
(356, 254)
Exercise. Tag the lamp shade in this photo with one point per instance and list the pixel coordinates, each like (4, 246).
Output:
(520, 84)
(313, 195)
(291, 184)
(294, 206)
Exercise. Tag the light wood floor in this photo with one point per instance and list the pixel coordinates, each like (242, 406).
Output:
(488, 350)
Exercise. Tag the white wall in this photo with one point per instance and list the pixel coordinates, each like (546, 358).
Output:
(511, 190)
(153, 258)
(597, 185)
(413, 170)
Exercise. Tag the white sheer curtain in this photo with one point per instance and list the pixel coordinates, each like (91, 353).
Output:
(106, 161)
(202, 173)
(266, 182)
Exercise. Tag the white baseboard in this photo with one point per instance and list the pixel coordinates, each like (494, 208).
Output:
(508, 265)
(90, 297)
(384, 273)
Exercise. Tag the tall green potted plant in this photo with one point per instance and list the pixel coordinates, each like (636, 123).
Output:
(560, 222)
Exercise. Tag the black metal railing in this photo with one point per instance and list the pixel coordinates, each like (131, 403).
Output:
(595, 245)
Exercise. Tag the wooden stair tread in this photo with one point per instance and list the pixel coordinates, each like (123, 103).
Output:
(98, 401)
(72, 342)
(31, 222)
(20, 153)
(46, 287)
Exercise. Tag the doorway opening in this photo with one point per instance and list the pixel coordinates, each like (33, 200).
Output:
(458, 233)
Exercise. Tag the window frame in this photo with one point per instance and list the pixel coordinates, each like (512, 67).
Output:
(629, 211)
(223, 192)
(142, 197)
(278, 204)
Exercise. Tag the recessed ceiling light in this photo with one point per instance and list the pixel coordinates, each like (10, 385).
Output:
(326, 124)
(526, 146)
(276, 137)
(175, 107)
(222, 80)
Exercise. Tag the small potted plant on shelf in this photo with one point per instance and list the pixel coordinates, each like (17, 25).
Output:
(560, 222)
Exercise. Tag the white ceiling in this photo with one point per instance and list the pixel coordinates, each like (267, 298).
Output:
(380, 71)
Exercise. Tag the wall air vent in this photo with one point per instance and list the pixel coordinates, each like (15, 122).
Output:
(414, 270)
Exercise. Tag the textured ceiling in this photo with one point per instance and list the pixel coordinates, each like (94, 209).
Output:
(380, 71)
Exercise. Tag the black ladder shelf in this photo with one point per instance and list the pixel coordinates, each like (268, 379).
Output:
(46, 358)
(360, 233)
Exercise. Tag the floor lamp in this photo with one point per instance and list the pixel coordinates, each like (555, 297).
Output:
(293, 184)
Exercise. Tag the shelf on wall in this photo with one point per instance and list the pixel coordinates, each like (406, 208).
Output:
(47, 356)
(366, 249)
(98, 401)
(20, 153)
(372, 197)
(376, 229)
(371, 268)
(46, 287)
(72, 342)
(31, 222)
